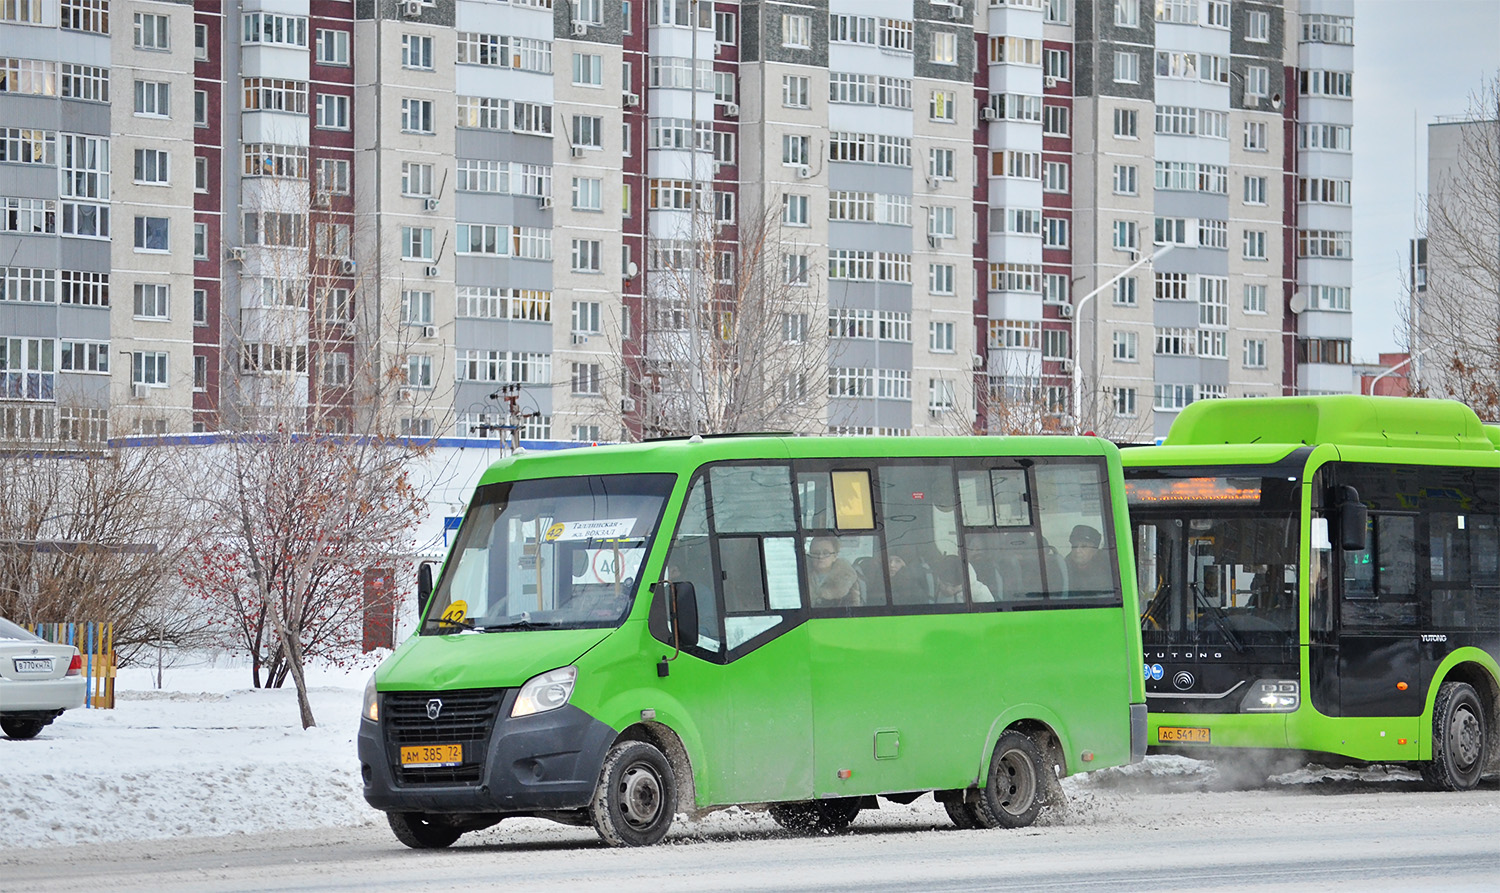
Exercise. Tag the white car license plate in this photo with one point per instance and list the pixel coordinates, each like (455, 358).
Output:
(33, 664)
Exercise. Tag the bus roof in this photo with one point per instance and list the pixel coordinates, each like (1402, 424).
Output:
(685, 455)
(1345, 420)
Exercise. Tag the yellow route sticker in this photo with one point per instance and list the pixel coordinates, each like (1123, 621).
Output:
(555, 531)
(456, 611)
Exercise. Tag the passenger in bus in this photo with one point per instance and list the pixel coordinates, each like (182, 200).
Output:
(950, 581)
(1086, 566)
(833, 581)
(909, 581)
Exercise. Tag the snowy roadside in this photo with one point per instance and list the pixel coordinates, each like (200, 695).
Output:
(209, 756)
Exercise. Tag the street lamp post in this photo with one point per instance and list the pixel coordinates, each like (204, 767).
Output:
(1078, 317)
(1370, 389)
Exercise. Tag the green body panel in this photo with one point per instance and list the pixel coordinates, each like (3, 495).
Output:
(777, 723)
(1357, 429)
(482, 660)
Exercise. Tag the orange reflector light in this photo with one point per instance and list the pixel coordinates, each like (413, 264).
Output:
(1088, 756)
(846, 773)
(1400, 740)
(1400, 686)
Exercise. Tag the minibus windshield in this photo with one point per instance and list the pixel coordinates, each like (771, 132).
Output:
(553, 553)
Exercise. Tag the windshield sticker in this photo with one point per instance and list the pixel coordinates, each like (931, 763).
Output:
(611, 566)
(613, 528)
(457, 611)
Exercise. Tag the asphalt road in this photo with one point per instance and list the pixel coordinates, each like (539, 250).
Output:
(1334, 835)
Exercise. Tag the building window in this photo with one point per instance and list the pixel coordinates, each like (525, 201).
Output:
(416, 307)
(940, 337)
(1126, 347)
(794, 149)
(726, 31)
(416, 243)
(941, 222)
(333, 111)
(1125, 180)
(1255, 137)
(1127, 68)
(941, 164)
(200, 108)
(200, 307)
(152, 99)
(1126, 236)
(151, 31)
(588, 70)
(91, 16)
(1255, 245)
(286, 30)
(332, 47)
(794, 91)
(200, 174)
(1128, 13)
(151, 234)
(1257, 81)
(416, 179)
(1255, 353)
(1054, 232)
(416, 52)
(1055, 176)
(1125, 292)
(796, 31)
(796, 269)
(794, 210)
(200, 43)
(942, 106)
(149, 368)
(944, 48)
(418, 371)
(333, 176)
(152, 166)
(1255, 190)
(587, 194)
(416, 116)
(587, 256)
(1126, 124)
(152, 301)
(588, 131)
(200, 241)
(586, 378)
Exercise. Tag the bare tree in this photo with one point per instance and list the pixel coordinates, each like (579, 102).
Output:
(91, 533)
(311, 488)
(1453, 326)
(734, 333)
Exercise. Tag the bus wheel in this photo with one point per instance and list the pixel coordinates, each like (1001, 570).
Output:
(816, 815)
(420, 832)
(1459, 739)
(636, 796)
(1012, 797)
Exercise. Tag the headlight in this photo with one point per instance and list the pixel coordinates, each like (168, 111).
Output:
(1272, 696)
(548, 691)
(371, 710)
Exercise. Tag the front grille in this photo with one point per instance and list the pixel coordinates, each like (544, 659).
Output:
(467, 718)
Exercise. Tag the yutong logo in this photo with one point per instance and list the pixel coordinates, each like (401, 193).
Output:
(434, 707)
(1183, 680)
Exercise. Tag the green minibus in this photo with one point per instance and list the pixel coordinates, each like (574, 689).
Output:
(624, 633)
(1320, 578)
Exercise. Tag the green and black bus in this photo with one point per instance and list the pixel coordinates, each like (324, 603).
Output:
(623, 633)
(1320, 576)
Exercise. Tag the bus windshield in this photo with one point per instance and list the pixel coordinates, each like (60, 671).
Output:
(555, 553)
(1216, 558)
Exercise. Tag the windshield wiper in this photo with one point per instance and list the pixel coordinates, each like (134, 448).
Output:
(523, 623)
(447, 621)
(1217, 617)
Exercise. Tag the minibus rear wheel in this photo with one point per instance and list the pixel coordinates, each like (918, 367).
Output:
(636, 797)
(420, 832)
(1013, 795)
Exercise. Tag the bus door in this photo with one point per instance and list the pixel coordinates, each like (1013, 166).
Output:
(747, 682)
(1379, 627)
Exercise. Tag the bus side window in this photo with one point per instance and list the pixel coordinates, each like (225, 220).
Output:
(914, 498)
(689, 560)
(1071, 501)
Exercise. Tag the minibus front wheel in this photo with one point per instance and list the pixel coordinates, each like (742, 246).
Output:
(636, 797)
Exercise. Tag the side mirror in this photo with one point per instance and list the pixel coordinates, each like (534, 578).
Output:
(424, 585)
(683, 609)
(1354, 520)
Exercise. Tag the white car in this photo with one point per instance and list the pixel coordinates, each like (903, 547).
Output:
(38, 681)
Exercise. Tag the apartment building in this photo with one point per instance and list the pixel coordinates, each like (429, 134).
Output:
(1012, 214)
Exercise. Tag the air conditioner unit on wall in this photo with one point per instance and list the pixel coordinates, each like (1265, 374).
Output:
(412, 9)
(1065, 364)
(804, 172)
(139, 391)
(731, 110)
(237, 253)
(429, 331)
(580, 29)
(632, 100)
(977, 361)
(348, 267)
(430, 271)
(1050, 81)
(1065, 311)
(544, 202)
(627, 404)
(956, 11)
(430, 204)
(988, 114)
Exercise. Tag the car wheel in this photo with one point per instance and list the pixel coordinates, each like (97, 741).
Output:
(1460, 739)
(636, 797)
(20, 728)
(1013, 794)
(421, 832)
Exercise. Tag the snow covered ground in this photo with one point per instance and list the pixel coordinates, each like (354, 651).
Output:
(209, 755)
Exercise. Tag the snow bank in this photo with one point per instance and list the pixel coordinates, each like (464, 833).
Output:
(207, 755)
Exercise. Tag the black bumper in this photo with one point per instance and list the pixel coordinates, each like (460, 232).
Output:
(545, 762)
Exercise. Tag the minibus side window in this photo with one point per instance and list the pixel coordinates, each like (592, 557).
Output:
(689, 560)
(753, 525)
